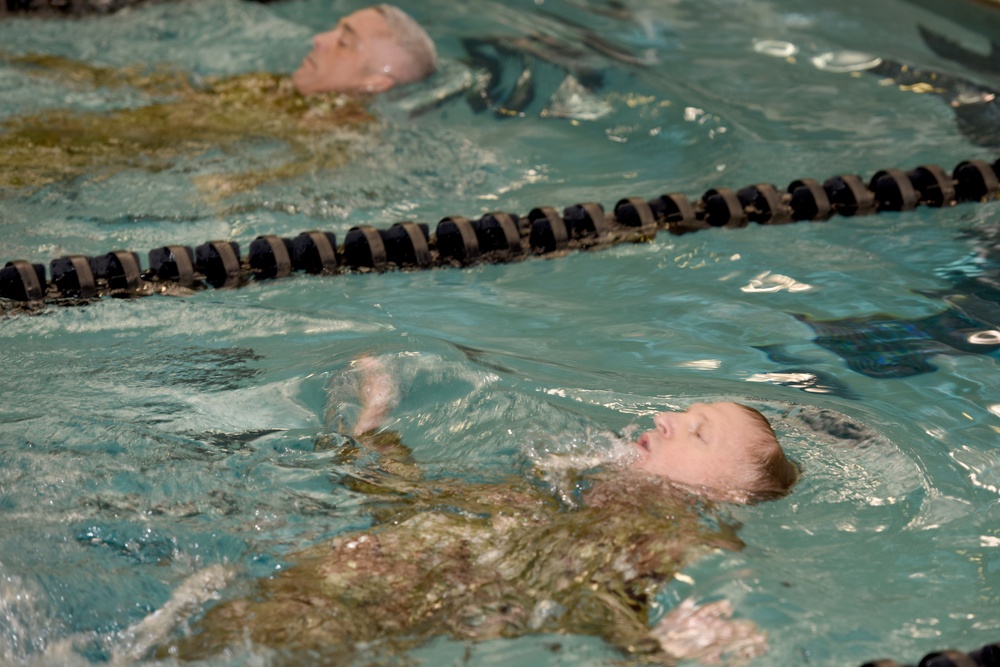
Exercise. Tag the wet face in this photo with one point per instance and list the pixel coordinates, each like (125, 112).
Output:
(710, 444)
(356, 57)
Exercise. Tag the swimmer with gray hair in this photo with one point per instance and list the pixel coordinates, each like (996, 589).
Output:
(368, 51)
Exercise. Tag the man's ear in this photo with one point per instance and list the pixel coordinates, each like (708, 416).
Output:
(378, 83)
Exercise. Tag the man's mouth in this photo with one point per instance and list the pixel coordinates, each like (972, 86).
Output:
(643, 441)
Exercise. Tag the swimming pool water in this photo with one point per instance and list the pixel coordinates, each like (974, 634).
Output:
(142, 441)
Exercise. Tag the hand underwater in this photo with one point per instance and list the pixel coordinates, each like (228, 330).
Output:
(708, 634)
(377, 392)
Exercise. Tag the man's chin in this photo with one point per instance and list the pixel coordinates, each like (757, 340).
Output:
(307, 85)
(304, 83)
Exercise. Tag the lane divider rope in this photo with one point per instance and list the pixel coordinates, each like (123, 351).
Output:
(494, 237)
(986, 656)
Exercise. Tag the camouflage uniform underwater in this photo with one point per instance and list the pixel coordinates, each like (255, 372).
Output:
(468, 561)
(183, 118)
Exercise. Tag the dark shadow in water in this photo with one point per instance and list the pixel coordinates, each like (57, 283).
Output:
(73, 7)
(886, 346)
(207, 369)
(882, 346)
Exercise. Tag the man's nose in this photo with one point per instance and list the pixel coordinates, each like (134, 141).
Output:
(662, 421)
(321, 40)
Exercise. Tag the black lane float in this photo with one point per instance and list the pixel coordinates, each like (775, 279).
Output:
(493, 238)
(986, 656)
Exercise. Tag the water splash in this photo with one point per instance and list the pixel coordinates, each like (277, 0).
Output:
(560, 459)
(26, 628)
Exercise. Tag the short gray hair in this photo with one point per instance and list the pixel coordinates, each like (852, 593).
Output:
(414, 41)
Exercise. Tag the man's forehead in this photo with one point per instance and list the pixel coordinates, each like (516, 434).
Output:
(733, 411)
(731, 421)
(722, 410)
(365, 21)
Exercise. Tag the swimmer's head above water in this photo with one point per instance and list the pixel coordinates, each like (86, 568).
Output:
(724, 451)
(369, 51)
(727, 449)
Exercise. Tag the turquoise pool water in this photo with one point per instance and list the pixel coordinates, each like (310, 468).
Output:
(143, 441)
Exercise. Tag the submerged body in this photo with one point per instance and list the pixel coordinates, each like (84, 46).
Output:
(369, 52)
(181, 121)
(471, 561)
(448, 558)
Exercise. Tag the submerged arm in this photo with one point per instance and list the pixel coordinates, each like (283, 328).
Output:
(378, 393)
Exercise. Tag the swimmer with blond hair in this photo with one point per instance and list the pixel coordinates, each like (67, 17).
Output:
(727, 449)
(724, 450)
(478, 561)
